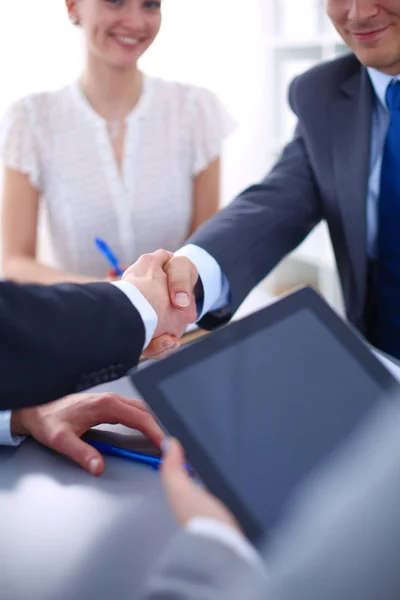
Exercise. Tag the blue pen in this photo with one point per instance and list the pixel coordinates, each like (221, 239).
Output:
(140, 457)
(109, 255)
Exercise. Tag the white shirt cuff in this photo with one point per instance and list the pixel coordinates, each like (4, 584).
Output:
(215, 284)
(142, 305)
(6, 437)
(222, 533)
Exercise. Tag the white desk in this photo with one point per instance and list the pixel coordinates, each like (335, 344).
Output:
(65, 535)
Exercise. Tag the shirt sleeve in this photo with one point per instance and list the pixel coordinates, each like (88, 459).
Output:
(6, 437)
(223, 534)
(18, 146)
(216, 289)
(142, 305)
(211, 125)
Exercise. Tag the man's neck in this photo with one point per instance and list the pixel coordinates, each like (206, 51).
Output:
(380, 81)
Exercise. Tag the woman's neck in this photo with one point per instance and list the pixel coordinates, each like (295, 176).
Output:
(112, 93)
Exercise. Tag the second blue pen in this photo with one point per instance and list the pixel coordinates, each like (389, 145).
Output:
(109, 255)
(139, 457)
(146, 459)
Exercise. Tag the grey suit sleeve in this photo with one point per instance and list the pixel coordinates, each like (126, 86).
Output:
(342, 538)
(197, 568)
(263, 224)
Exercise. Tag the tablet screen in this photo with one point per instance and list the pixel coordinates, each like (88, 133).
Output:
(302, 394)
(269, 406)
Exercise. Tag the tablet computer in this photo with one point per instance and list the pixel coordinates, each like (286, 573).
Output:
(260, 403)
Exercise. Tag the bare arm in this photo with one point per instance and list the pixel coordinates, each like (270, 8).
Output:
(19, 234)
(206, 194)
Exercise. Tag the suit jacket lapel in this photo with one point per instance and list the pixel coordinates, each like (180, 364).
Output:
(352, 117)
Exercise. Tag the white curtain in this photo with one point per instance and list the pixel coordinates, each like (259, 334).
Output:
(39, 48)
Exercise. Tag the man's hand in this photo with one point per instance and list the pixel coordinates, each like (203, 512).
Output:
(112, 274)
(148, 275)
(161, 347)
(181, 279)
(60, 425)
(187, 499)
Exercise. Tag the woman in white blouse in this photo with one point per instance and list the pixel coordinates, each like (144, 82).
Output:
(118, 155)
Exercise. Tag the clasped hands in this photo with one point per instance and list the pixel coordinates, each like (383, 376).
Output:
(167, 282)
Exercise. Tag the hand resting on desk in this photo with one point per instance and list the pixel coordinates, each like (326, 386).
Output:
(60, 425)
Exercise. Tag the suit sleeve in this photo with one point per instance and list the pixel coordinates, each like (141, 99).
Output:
(197, 568)
(60, 339)
(338, 539)
(263, 224)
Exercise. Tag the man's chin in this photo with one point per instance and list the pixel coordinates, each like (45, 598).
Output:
(371, 57)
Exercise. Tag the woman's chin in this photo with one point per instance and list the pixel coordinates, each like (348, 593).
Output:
(122, 64)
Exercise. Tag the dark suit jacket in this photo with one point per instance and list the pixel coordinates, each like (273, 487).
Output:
(322, 174)
(60, 339)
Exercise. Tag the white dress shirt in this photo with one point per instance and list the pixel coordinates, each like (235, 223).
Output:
(173, 133)
(380, 123)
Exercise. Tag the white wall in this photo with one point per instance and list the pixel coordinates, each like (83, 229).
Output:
(220, 44)
(39, 48)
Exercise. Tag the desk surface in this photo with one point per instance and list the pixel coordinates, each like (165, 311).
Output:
(68, 536)
(65, 535)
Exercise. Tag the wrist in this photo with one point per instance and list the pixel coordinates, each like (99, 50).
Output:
(17, 426)
(143, 306)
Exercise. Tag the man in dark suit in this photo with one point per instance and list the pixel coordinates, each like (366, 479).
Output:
(343, 166)
(65, 338)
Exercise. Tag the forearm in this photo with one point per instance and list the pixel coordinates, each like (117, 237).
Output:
(263, 224)
(26, 269)
(61, 339)
(197, 568)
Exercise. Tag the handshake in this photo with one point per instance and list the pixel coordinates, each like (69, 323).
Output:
(167, 283)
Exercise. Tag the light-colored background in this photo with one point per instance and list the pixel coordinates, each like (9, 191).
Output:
(247, 51)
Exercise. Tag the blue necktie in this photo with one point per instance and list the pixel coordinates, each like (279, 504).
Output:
(386, 326)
